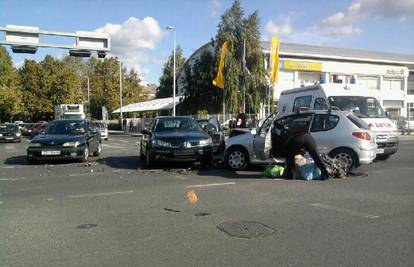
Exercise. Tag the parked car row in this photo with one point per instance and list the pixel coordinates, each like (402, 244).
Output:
(10, 133)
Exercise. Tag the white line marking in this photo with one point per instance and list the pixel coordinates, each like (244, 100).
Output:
(12, 179)
(81, 174)
(8, 167)
(101, 194)
(343, 210)
(206, 185)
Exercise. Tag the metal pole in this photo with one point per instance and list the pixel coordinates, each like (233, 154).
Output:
(89, 103)
(224, 105)
(244, 77)
(174, 75)
(120, 90)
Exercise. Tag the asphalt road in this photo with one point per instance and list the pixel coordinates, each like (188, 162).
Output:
(112, 213)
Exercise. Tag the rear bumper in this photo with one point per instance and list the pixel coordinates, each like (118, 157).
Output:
(367, 153)
(65, 153)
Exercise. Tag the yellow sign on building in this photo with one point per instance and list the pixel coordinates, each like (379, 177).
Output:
(302, 65)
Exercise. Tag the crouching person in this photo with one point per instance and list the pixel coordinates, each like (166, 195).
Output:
(288, 144)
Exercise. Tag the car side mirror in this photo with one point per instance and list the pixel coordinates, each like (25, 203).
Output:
(145, 131)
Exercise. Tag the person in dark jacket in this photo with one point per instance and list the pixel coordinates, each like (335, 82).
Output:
(287, 144)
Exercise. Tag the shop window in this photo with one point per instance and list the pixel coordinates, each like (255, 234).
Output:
(286, 76)
(337, 78)
(369, 82)
(309, 77)
(393, 84)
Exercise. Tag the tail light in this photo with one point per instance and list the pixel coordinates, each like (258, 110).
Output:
(362, 135)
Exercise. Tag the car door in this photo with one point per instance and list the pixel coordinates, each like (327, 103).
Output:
(322, 130)
(261, 140)
(295, 123)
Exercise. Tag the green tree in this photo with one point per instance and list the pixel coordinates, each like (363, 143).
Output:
(235, 29)
(200, 93)
(166, 80)
(10, 96)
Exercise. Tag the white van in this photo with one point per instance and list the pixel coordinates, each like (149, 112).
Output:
(361, 101)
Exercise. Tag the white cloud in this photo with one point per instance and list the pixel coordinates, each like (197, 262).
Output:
(342, 23)
(282, 29)
(131, 40)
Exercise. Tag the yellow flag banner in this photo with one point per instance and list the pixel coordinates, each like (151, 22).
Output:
(219, 80)
(274, 59)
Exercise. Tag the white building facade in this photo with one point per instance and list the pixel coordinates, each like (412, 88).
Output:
(390, 73)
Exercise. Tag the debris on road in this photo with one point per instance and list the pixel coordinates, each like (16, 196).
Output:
(87, 226)
(172, 210)
(192, 197)
(198, 214)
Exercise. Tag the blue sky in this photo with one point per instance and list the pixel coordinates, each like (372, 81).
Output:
(139, 37)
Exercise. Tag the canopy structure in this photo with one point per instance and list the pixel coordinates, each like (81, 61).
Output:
(151, 105)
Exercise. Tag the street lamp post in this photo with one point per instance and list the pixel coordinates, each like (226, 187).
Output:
(171, 28)
(120, 90)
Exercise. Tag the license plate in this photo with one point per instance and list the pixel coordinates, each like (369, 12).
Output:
(9, 138)
(380, 150)
(50, 153)
(183, 152)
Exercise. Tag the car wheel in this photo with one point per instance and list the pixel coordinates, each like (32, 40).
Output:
(148, 160)
(98, 150)
(236, 158)
(85, 155)
(346, 155)
(383, 156)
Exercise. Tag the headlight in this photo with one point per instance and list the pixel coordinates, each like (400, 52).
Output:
(18, 134)
(161, 143)
(1, 134)
(71, 144)
(34, 145)
(205, 142)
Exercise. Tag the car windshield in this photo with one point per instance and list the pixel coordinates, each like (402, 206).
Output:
(176, 124)
(362, 107)
(66, 127)
(100, 125)
(7, 128)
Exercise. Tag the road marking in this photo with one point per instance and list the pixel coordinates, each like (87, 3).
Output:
(206, 185)
(343, 210)
(113, 146)
(12, 179)
(8, 167)
(81, 174)
(101, 194)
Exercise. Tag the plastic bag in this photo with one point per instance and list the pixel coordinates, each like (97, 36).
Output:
(273, 171)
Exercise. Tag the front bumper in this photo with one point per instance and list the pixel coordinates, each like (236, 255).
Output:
(10, 138)
(388, 147)
(64, 153)
(181, 154)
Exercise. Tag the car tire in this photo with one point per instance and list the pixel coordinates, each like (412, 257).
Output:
(148, 160)
(30, 160)
(236, 158)
(85, 155)
(347, 155)
(207, 161)
(383, 156)
(98, 151)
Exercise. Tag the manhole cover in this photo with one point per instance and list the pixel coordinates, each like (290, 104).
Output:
(87, 226)
(246, 229)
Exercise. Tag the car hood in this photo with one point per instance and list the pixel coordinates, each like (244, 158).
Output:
(190, 135)
(57, 139)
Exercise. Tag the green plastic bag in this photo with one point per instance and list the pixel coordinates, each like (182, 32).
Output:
(273, 171)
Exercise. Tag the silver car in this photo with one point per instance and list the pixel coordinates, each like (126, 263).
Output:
(340, 134)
